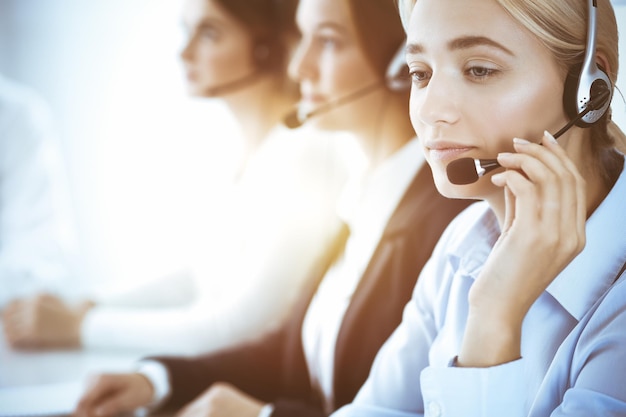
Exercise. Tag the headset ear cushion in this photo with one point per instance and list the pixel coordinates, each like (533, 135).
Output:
(591, 85)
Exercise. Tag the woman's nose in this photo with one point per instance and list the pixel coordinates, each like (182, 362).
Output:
(186, 53)
(302, 64)
(436, 102)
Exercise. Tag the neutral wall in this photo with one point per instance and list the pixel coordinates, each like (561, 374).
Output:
(137, 149)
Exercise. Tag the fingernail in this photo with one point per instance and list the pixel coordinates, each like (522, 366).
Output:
(497, 179)
(549, 136)
(504, 155)
(520, 141)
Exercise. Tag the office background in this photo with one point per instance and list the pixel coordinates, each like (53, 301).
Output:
(138, 150)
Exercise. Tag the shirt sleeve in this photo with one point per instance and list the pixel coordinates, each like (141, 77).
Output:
(585, 377)
(453, 392)
(158, 376)
(236, 300)
(458, 392)
(266, 411)
(219, 316)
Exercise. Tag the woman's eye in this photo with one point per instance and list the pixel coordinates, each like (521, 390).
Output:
(209, 33)
(419, 77)
(480, 72)
(328, 42)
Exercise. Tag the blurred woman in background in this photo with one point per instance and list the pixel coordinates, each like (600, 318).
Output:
(269, 225)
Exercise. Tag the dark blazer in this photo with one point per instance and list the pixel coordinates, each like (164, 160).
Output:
(273, 368)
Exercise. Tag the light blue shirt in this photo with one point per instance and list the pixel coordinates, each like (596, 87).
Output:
(573, 338)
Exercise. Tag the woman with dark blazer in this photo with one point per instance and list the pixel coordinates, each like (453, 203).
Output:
(274, 368)
(316, 361)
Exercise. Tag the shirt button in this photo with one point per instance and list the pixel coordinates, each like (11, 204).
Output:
(434, 409)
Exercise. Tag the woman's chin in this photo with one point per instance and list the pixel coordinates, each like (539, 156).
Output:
(194, 92)
(449, 190)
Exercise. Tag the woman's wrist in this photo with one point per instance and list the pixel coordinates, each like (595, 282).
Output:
(490, 340)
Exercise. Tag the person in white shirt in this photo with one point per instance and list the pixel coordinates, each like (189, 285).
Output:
(521, 311)
(317, 360)
(37, 234)
(270, 223)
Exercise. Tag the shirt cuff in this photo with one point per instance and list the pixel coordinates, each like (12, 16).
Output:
(493, 391)
(266, 411)
(158, 376)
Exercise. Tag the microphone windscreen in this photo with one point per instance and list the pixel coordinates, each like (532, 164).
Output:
(462, 171)
(292, 121)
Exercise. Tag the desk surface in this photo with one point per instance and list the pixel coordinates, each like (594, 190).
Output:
(55, 378)
(21, 368)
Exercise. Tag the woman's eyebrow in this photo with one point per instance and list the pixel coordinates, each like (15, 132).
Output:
(464, 42)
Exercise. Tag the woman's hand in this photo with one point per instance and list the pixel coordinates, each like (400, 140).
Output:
(110, 394)
(542, 231)
(222, 400)
(43, 321)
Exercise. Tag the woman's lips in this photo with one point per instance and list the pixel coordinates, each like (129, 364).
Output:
(447, 152)
(309, 104)
(312, 100)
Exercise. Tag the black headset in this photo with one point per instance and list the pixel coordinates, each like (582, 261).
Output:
(587, 80)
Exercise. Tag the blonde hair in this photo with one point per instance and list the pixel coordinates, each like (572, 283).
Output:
(561, 26)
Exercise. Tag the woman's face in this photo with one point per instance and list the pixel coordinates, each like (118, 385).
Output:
(218, 49)
(479, 80)
(329, 64)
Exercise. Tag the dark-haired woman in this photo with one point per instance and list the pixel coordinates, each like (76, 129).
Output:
(269, 222)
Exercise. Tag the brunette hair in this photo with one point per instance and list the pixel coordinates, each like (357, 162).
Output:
(271, 23)
(379, 30)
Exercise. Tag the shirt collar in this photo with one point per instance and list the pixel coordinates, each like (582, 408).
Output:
(593, 271)
(586, 278)
(478, 231)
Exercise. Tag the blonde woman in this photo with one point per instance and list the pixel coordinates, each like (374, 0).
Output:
(521, 310)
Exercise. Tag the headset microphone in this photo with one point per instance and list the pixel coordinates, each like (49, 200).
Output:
(587, 96)
(396, 79)
(297, 117)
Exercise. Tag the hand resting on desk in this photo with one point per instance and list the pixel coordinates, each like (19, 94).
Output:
(111, 394)
(43, 321)
(222, 400)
